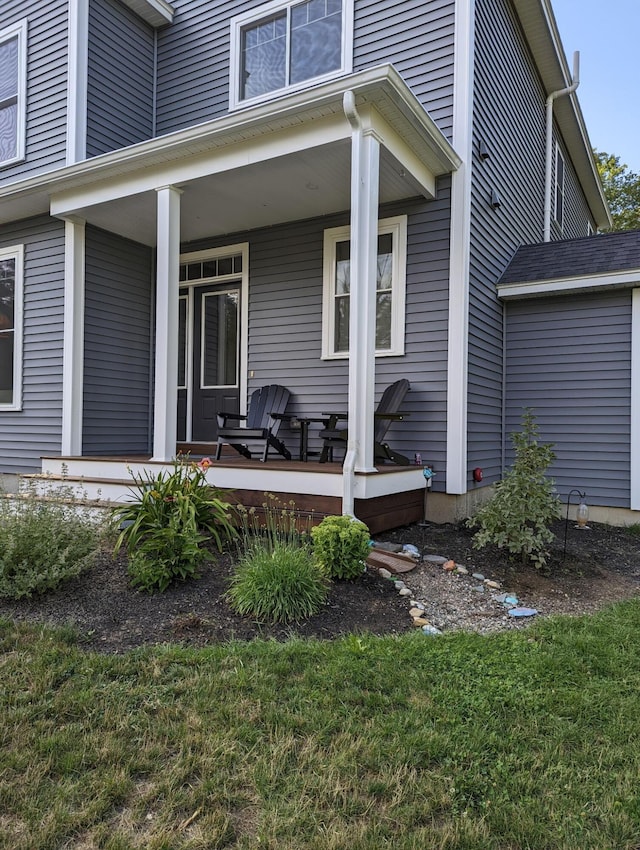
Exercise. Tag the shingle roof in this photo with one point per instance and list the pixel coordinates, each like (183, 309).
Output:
(609, 252)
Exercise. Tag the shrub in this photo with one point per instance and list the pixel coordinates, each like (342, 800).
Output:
(341, 546)
(44, 542)
(523, 506)
(279, 584)
(166, 526)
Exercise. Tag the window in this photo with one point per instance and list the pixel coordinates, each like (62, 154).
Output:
(285, 46)
(10, 328)
(559, 208)
(390, 289)
(12, 92)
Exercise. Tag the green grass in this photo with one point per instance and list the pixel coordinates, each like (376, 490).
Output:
(517, 741)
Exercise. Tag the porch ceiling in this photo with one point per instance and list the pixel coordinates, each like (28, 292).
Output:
(305, 184)
(282, 161)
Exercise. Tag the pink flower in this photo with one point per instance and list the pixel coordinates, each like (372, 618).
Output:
(205, 463)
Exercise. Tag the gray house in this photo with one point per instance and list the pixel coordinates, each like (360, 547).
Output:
(195, 200)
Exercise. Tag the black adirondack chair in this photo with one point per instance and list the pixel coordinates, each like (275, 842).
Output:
(260, 429)
(386, 412)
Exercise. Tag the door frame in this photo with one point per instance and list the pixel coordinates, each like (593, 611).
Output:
(240, 279)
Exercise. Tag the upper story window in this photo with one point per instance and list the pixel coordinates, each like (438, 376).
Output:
(390, 289)
(559, 205)
(10, 327)
(13, 73)
(286, 46)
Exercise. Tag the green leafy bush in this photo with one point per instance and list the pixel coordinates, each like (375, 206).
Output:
(44, 542)
(341, 546)
(518, 516)
(166, 526)
(279, 584)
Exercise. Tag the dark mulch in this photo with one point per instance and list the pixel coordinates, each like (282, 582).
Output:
(599, 566)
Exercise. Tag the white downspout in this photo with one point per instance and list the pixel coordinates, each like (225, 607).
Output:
(575, 82)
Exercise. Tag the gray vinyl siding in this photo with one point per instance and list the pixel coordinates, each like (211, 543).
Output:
(509, 119)
(193, 55)
(46, 83)
(117, 345)
(36, 430)
(417, 38)
(120, 82)
(576, 210)
(285, 325)
(569, 359)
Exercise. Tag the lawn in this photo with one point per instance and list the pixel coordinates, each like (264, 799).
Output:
(525, 739)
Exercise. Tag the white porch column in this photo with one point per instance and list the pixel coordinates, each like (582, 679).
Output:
(166, 371)
(365, 170)
(73, 345)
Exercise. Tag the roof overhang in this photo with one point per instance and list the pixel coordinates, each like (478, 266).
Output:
(541, 32)
(158, 13)
(566, 285)
(285, 160)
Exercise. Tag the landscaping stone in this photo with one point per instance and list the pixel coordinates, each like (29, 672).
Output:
(416, 612)
(420, 621)
(430, 630)
(406, 592)
(399, 585)
(449, 566)
(438, 560)
(522, 612)
(463, 571)
(494, 585)
(477, 576)
(384, 573)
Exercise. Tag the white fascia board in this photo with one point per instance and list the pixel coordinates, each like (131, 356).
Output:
(560, 286)
(216, 161)
(158, 13)
(398, 148)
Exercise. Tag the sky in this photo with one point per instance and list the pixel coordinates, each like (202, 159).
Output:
(607, 36)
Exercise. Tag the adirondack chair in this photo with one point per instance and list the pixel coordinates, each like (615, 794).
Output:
(386, 412)
(260, 429)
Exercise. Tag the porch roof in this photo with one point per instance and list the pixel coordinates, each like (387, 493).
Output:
(285, 160)
(610, 260)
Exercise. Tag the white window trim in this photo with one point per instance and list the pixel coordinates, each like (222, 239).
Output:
(18, 29)
(559, 157)
(397, 227)
(254, 15)
(16, 252)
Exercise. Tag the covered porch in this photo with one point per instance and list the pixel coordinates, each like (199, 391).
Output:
(350, 146)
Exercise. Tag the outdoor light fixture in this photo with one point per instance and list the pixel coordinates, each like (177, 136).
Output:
(496, 203)
(582, 515)
(483, 150)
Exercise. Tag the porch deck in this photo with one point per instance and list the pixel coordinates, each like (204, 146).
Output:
(391, 497)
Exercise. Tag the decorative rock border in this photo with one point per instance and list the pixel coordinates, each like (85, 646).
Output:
(417, 608)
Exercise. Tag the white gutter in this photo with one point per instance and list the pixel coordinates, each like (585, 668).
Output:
(549, 149)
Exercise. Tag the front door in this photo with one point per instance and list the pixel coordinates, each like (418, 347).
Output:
(208, 361)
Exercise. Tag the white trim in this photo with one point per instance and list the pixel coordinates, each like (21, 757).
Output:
(458, 326)
(16, 253)
(558, 188)
(167, 291)
(635, 402)
(561, 285)
(241, 248)
(397, 227)
(73, 339)
(154, 12)
(19, 31)
(268, 9)
(78, 48)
